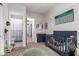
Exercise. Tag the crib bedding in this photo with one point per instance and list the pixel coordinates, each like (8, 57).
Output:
(58, 45)
(61, 48)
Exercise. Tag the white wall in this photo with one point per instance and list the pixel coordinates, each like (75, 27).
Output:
(38, 19)
(1, 31)
(59, 9)
(4, 14)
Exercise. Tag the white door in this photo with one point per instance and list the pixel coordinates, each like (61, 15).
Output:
(1, 31)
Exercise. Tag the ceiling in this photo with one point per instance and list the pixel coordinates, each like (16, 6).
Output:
(39, 7)
(33, 7)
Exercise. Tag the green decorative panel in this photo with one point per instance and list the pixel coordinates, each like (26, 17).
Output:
(65, 17)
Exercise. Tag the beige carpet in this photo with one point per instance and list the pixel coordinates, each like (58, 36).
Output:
(19, 51)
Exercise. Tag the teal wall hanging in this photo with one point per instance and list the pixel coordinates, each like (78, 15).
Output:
(65, 17)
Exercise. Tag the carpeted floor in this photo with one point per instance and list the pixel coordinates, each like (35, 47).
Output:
(19, 51)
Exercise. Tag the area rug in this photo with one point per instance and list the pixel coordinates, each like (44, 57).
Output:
(34, 52)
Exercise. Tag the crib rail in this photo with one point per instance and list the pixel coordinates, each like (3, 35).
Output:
(61, 46)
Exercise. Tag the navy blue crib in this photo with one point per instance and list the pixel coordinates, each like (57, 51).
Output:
(58, 41)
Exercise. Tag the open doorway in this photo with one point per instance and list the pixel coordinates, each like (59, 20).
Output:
(30, 30)
(17, 30)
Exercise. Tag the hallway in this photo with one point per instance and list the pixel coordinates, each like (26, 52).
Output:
(20, 50)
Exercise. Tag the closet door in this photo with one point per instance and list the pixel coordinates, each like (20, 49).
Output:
(1, 31)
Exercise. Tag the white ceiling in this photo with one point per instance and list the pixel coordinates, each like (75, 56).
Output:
(39, 7)
(33, 7)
